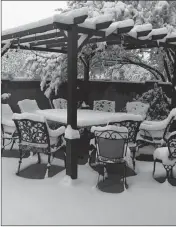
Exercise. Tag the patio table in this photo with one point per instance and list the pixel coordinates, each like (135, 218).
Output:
(88, 118)
(85, 119)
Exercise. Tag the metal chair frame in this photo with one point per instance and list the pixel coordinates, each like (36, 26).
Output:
(133, 129)
(171, 144)
(13, 137)
(111, 135)
(101, 103)
(60, 103)
(33, 142)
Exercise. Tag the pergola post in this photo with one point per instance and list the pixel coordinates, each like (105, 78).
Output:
(71, 145)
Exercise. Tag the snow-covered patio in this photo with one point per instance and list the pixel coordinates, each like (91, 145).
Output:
(56, 201)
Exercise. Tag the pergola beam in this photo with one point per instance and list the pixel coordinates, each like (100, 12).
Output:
(31, 31)
(49, 41)
(23, 47)
(39, 37)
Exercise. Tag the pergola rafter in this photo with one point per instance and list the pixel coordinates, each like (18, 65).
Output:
(67, 33)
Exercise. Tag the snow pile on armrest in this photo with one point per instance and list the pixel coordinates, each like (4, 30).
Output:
(57, 132)
(71, 133)
(29, 116)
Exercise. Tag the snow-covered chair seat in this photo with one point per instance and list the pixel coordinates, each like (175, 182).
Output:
(36, 136)
(167, 155)
(104, 105)
(137, 107)
(8, 129)
(60, 103)
(154, 132)
(28, 105)
(111, 143)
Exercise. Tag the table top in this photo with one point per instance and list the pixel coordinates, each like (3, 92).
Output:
(87, 118)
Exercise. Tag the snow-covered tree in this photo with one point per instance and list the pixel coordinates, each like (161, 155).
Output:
(158, 13)
(159, 103)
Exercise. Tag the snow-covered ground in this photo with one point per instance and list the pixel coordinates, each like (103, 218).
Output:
(53, 201)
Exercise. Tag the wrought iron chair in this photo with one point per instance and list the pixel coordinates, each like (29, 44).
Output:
(36, 136)
(60, 103)
(133, 129)
(104, 105)
(136, 107)
(28, 105)
(155, 132)
(167, 155)
(8, 129)
(111, 143)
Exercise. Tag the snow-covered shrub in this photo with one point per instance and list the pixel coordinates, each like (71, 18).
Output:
(159, 103)
(5, 96)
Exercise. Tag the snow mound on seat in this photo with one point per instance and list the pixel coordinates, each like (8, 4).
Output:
(71, 133)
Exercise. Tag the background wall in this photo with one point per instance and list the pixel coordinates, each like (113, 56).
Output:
(118, 91)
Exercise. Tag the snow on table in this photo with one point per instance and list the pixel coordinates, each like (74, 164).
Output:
(87, 118)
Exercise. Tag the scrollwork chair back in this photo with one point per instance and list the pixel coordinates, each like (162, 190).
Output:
(28, 105)
(172, 146)
(60, 103)
(104, 105)
(137, 108)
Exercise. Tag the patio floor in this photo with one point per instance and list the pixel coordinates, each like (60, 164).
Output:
(59, 201)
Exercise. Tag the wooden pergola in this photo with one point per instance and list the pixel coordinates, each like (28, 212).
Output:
(67, 33)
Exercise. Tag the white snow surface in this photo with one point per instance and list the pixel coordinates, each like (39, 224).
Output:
(119, 24)
(30, 116)
(66, 18)
(88, 117)
(109, 127)
(71, 133)
(162, 154)
(140, 28)
(5, 96)
(61, 201)
(158, 31)
(158, 125)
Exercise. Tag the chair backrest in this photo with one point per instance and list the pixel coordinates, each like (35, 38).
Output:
(32, 130)
(60, 103)
(28, 105)
(172, 114)
(7, 112)
(132, 126)
(104, 105)
(137, 108)
(171, 126)
(111, 141)
(171, 143)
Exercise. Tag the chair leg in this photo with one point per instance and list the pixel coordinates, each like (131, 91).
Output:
(13, 142)
(20, 161)
(168, 169)
(48, 165)
(125, 182)
(39, 158)
(154, 166)
(3, 142)
(133, 159)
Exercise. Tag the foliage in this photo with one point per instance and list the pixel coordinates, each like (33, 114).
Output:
(12, 65)
(159, 103)
(53, 67)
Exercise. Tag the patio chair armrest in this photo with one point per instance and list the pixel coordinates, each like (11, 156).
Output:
(171, 134)
(57, 132)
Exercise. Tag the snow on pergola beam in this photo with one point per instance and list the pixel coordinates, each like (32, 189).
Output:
(51, 31)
